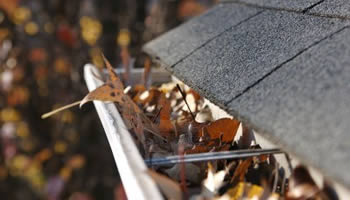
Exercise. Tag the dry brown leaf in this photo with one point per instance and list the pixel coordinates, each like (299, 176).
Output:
(198, 149)
(219, 132)
(136, 92)
(241, 170)
(224, 128)
(149, 97)
(301, 185)
(113, 90)
(165, 124)
(170, 188)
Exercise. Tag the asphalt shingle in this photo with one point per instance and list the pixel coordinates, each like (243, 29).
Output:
(286, 73)
(297, 5)
(181, 41)
(340, 8)
(304, 106)
(229, 64)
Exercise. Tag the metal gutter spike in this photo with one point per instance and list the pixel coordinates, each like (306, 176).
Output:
(202, 157)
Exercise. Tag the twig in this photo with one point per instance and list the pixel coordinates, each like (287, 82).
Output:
(157, 115)
(181, 151)
(184, 97)
(146, 71)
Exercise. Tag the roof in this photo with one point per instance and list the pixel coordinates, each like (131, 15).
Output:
(282, 66)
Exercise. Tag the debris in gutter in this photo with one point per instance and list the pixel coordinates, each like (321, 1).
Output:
(189, 159)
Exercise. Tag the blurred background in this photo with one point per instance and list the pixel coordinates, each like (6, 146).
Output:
(43, 47)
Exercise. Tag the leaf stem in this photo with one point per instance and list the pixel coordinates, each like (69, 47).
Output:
(46, 115)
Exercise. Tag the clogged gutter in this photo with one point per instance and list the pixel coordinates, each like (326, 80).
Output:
(172, 121)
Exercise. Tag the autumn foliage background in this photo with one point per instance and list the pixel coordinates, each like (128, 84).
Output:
(43, 47)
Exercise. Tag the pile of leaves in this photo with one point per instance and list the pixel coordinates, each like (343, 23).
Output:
(172, 119)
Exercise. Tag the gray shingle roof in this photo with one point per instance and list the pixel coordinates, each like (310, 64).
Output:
(296, 5)
(284, 68)
(306, 105)
(337, 8)
(194, 34)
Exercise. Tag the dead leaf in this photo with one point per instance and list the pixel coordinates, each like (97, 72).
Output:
(165, 124)
(222, 131)
(147, 97)
(224, 128)
(210, 136)
(198, 149)
(170, 188)
(113, 90)
(301, 185)
(213, 182)
(241, 170)
(204, 115)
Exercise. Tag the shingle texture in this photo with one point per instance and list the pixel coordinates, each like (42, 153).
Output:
(298, 5)
(337, 8)
(306, 105)
(246, 53)
(183, 40)
(285, 72)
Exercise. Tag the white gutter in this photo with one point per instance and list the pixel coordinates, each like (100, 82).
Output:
(137, 183)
